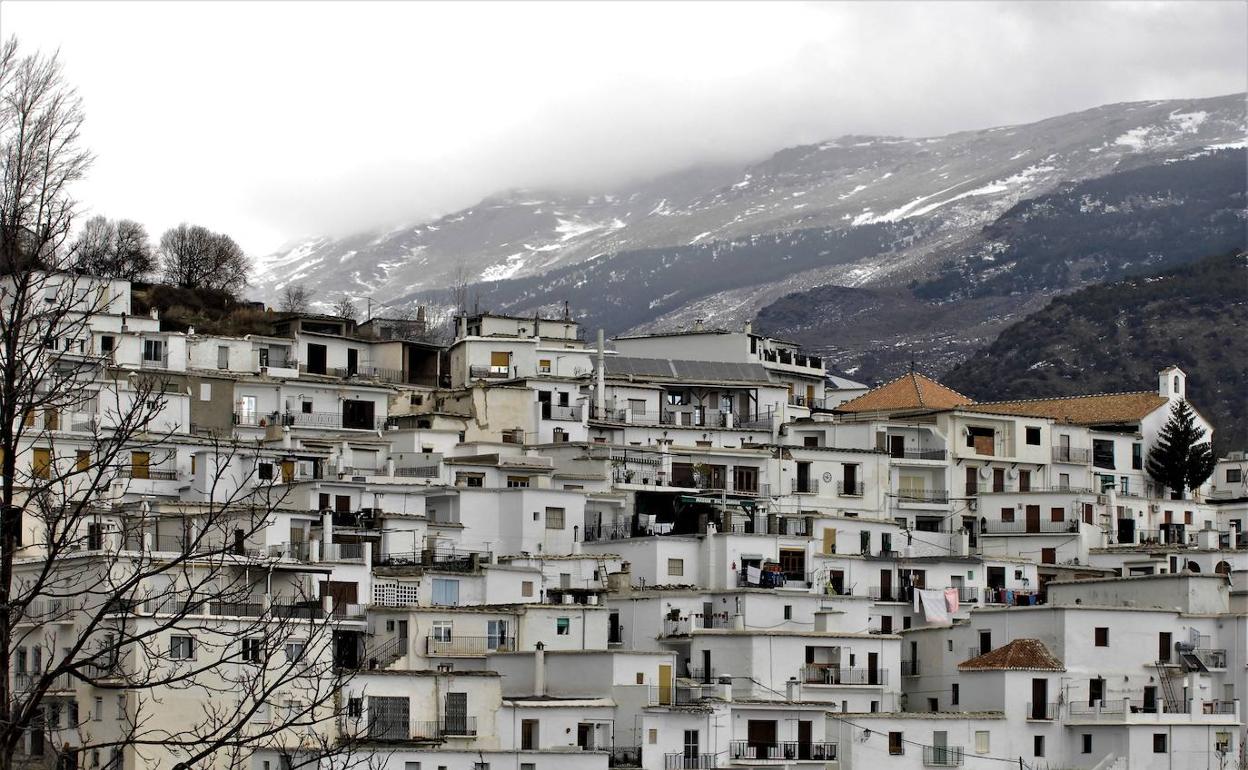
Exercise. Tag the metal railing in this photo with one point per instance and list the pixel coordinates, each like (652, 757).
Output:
(468, 646)
(1044, 712)
(682, 761)
(816, 673)
(561, 412)
(917, 454)
(448, 559)
(928, 496)
(598, 532)
(1070, 454)
(1211, 657)
(819, 751)
(418, 471)
(624, 756)
(849, 488)
(805, 486)
(910, 668)
(1020, 526)
(141, 472)
(489, 372)
(942, 756)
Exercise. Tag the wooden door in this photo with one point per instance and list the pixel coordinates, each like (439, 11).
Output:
(665, 684)
(804, 732)
(1033, 518)
(140, 462)
(897, 446)
(1039, 698)
(886, 585)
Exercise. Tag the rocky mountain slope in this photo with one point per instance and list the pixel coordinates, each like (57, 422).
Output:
(855, 211)
(1116, 336)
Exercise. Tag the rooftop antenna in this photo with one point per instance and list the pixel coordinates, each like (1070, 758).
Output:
(567, 312)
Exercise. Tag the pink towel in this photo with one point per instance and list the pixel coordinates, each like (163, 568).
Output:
(951, 599)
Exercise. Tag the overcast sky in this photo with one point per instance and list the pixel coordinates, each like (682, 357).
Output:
(276, 121)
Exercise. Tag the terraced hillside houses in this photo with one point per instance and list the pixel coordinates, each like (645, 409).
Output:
(530, 550)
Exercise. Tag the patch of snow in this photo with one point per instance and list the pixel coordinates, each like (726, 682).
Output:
(743, 183)
(854, 191)
(512, 265)
(699, 237)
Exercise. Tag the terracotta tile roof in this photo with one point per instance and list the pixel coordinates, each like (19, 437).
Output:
(909, 391)
(1096, 409)
(1020, 654)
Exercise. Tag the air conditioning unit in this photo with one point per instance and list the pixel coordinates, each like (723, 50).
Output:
(1102, 499)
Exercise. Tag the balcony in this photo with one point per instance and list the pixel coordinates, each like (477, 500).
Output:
(1157, 712)
(828, 674)
(923, 496)
(310, 420)
(467, 646)
(942, 756)
(387, 728)
(925, 455)
(624, 756)
(1020, 526)
(561, 412)
(1069, 454)
(489, 372)
(1041, 712)
(849, 488)
(445, 559)
(683, 761)
(754, 751)
(1210, 658)
(805, 486)
(147, 472)
(910, 668)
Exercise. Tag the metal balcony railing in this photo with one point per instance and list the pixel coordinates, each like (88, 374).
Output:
(910, 668)
(1070, 454)
(1021, 526)
(849, 488)
(468, 646)
(1043, 712)
(942, 756)
(924, 496)
(142, 472)
(561, 412)
(805, 486)
(683, 761)
(624, 756)
(820, 673)
(489, 372)
(817, 751)
(447, 559)
(1211, 657)
(917, 454)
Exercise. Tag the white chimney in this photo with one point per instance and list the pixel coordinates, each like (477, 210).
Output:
(539, 669)
(793, 690)
(600, 382)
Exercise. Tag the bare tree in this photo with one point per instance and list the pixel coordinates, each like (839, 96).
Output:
(145, 634)
(345, 308)
(296, 298)
(194, 257)
(113, 249)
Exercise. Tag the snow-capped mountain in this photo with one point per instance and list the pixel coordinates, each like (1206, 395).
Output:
(721, 243)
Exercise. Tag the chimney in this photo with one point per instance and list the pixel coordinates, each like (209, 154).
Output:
(793, 690)
(698, 325)
(600, 381)
(748, 328)
(539, 669)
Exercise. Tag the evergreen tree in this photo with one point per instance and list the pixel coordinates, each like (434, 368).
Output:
(1181, 459)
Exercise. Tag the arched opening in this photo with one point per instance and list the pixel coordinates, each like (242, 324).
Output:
(1193, 567)
(1223, 568)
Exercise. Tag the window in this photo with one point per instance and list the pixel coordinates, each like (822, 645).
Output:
(652, 736)
(442, 630)
(153, 350)
(140, 462)
(1222, 742)
(1234, 475)
(266, 471)
(355, 707)
(1033, 436)
(788, 612)
(445, 592)
(554, 518)
(1037, 746)
(82, 461)
(182, 647)
(1057, 514)
(411, 766)
(953, 694)
(1086, 747)
(98, 714)
(675, 567)
(526, 588)
(253, 650)
(1007, 514)
(500, 362)
(223, 357)
(982, 742)
(895, 745)
(294, 649)
(1102, 453)
(41, 463)
(543, 365)
(1159, 743)
(1102, 636)
(517, 482)
(563, 626)
(1137, 456)
(107, 343)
